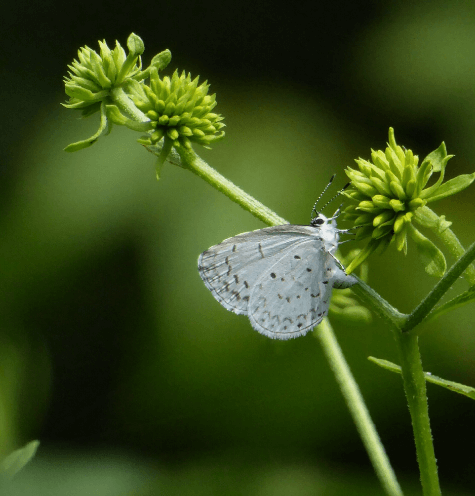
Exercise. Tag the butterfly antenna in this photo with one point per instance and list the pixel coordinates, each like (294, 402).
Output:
(351, 228)
(336, 196)
(314, 209)
(337, 213)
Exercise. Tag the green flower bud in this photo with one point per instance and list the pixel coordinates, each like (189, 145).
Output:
(389, 192)
(181, 111)
(93, 75)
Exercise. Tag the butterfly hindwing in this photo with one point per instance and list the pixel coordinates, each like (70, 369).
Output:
(231, 269)
(293, 295)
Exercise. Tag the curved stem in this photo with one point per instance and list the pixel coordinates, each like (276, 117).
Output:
(194, 163)
(415, 389)
(359, 412)
(379, 305)
(428, 303)
(125, 104)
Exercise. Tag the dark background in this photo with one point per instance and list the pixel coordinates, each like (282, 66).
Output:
(113, 353)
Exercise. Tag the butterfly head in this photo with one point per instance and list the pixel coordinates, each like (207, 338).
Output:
(319, 220)
(327, 230)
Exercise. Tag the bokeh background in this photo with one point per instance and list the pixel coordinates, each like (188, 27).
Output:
(113, 353)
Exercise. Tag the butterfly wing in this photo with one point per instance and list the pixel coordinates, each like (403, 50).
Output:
(292, 295)
(231, 269)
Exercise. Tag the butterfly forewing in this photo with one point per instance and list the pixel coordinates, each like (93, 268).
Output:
(231, 269)
(292, 295)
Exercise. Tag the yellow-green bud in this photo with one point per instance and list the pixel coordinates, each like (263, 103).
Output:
(389, 190)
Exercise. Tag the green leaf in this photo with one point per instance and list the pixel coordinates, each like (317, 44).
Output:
(431, 257)
(452, 386)
(452, 187)
(15, 461)
(115, 116)
(79, 145)
(173, 157)
(458, 301)
(437, 158)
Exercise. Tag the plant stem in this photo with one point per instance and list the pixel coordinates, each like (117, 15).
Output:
(125, 104)
(428, 303)
(451, 241)
(194, 163)
(359, 412)
(415, 388)
(379, 305)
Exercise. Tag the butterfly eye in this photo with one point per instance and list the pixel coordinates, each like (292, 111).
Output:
(319, 221)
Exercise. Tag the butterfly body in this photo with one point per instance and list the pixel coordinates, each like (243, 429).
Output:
(281, 277)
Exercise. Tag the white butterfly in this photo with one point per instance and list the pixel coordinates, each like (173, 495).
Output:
(281, 277)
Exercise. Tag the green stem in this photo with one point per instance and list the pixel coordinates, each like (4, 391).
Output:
(359, 412)
(415, 388)
(194, 163)
(451, 241)
(124, 103)
(429, 302)
(379, 305)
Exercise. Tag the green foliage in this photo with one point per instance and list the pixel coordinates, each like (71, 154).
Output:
(15, 461)
(450, 385)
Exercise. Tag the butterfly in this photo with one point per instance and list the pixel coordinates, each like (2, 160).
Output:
(281, 277)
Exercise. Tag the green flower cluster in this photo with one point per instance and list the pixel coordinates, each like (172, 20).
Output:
(92, 76)
(174, 112)
(390, 191)
(179, 110)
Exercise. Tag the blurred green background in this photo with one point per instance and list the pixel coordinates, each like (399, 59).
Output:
(113, 353)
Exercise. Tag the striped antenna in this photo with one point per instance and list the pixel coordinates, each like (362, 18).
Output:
(314, 209)
(336, 196)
